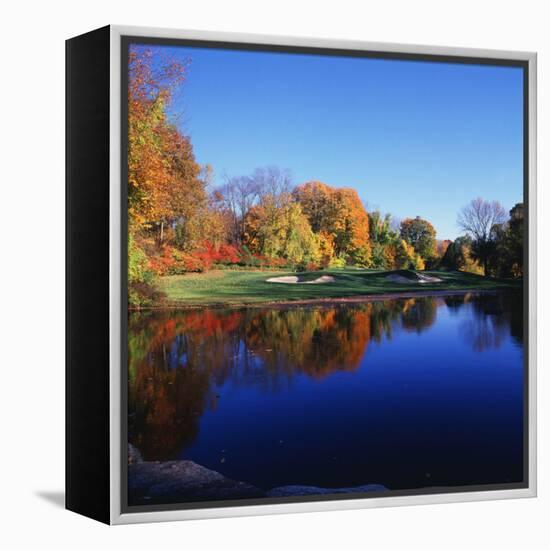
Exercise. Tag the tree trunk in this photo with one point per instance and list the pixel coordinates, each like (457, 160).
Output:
(161, 237)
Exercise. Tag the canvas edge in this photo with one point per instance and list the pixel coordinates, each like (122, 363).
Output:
(532, 247)
(115, 382)
(116, 515)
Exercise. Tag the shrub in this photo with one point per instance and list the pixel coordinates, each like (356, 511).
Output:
(141, 294)
(273, 262)
(138, 265)
(337, 262)
(209, 254)
(171, 261)
(163, 262)
(141, 278)
(247, 258)
(229, 254)
(189, 263)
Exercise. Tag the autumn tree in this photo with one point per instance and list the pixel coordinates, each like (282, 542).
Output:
(352, 228)
(318, 204)
(218, 224)
(149, 91)
(186, 196)
(301, 245)
(277, 228)
(406, 257)
(340, 215)
(164, 180)
(240, 193)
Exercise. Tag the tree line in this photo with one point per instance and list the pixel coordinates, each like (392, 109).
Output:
(493, 241)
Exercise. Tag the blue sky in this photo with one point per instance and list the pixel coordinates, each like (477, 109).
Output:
(413, 138)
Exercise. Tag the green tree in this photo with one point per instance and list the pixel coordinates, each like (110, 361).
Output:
(514, 240)
(507, 259)
(454, 257)
(458, 256)
(277, 228)
(421, 235)
(384, 240)
(479, 220)
(405, 257)
(380, 228)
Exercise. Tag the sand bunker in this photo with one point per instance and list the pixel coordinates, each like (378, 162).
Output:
(295, 280)
(419, 279)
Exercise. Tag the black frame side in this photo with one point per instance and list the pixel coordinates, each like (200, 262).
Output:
(87, 477)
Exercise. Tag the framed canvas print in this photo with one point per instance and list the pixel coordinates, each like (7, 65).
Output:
(300, 274)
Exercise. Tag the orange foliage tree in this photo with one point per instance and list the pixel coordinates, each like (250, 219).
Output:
(164, 180)
(340, 216)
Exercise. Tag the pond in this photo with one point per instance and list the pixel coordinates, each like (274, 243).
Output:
(407, 393)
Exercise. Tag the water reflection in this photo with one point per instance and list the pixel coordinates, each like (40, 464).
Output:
(179, 360)
(494, 320)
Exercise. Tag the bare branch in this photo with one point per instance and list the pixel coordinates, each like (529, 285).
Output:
(479, 217)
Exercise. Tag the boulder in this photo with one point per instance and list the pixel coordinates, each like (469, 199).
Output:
(182, 481)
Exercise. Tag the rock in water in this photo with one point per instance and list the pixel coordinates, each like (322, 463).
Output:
(177, 481)
(182, 481)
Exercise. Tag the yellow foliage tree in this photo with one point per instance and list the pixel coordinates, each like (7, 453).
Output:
(277, 228)
(339, 214)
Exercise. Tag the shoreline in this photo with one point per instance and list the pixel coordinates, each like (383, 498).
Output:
(357, 299)
(175, 481)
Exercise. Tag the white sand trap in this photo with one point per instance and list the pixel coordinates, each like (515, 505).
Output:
(421, 279)
(295, 280)
(428, 278)
(289, 280)
(321, 280)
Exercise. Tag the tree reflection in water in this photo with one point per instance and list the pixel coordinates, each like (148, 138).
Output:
(178, 358)
(496, 316)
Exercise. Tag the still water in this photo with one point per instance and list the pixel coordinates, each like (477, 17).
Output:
(407, 393)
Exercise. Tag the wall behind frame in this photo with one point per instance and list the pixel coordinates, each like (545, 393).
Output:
(33, 299)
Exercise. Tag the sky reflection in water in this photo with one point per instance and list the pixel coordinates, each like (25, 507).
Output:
(407, 393)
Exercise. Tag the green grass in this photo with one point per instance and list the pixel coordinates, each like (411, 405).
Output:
(250, 287)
